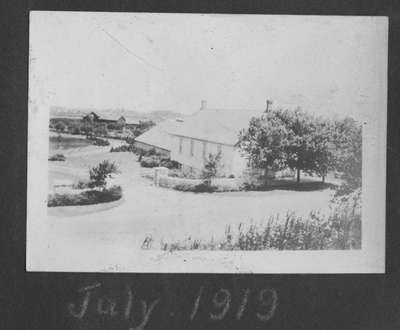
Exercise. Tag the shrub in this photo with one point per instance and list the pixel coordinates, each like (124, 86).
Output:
(150, 161)
(100, 142)
(100, 130)
(204, 187)
(75, 130)
(143, 127)
(340, 230)
(57, 157)
(124, 148)
(60, 126)
(81, 185)
(87, 130)
(100, 173)
(211, 167)
(184, 187)
(170, 164)
(86, 198)
(130, 140)
(197, 188)
(151, 152)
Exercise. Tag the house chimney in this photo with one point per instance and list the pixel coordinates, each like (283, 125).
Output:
(269, 102)
(203, 105)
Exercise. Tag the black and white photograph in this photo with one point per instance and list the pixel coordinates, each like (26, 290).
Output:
(216, 143)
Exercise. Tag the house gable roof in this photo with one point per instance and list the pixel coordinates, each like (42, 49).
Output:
(92, 113)
(216, 125)
(158, 135)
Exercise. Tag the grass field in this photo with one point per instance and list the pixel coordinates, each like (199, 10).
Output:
(146, 210)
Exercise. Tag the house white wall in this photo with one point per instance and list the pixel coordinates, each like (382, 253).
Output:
(193, 152)
(146, 147)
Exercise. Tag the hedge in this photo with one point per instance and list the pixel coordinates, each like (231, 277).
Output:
(57, 157)
(86, 198)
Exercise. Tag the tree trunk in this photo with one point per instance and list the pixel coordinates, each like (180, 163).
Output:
(323, 179)
(298, 176)
(266, 177)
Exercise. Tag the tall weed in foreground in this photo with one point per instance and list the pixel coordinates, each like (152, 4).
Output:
(340, 230)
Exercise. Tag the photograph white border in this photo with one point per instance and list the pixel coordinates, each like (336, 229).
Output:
(370, 259)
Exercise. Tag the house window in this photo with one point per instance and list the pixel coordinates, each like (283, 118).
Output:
(191, 147)
(204, 150)
(180, 145)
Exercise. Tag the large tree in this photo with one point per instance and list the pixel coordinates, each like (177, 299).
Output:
(347, 137)
(289, 139)
(263, 142)
(323, 155)
(300, 148)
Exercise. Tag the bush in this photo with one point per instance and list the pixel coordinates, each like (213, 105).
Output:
(211, 167)
(341, 230)
(100, 142)
(198, 188)
(100, 130)
(151, 152)
(100, 173)
(75, 131)
(86, 198)
(60, 126)
(57, 157)
(204, 187)
(184, 187)
(170, 164)
(124, 148)
(150, 161)
(81, 185)
(130, 140)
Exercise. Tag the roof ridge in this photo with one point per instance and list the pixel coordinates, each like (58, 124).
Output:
(232, 109)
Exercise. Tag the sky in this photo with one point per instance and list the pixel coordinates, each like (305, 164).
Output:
(328, 65)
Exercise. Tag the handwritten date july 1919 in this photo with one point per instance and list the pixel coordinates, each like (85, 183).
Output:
(205, 305)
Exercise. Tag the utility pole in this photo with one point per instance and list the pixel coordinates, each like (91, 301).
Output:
(269, 102)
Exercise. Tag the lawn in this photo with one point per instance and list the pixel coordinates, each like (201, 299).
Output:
(170, 214)
(163, 214)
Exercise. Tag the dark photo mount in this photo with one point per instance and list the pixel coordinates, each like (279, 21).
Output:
(42, 300)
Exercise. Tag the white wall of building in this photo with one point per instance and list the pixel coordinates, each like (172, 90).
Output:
(191, 153)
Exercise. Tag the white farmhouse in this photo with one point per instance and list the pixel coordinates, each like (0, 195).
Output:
(210, 131)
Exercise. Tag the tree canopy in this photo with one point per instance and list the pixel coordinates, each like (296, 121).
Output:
(305, 143)
(347, 138)
(263, 142)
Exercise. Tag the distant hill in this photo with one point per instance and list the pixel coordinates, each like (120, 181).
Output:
(156, 116)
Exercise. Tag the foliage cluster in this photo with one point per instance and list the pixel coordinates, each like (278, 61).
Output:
(297, 140)
(151, 161)
(157, 161)
(99, 174)
(144, 125)
(125, 148)
(340, 230)
(86, 197)
(197, 188)
(100, 142)
(211, 168)
(57, 157)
